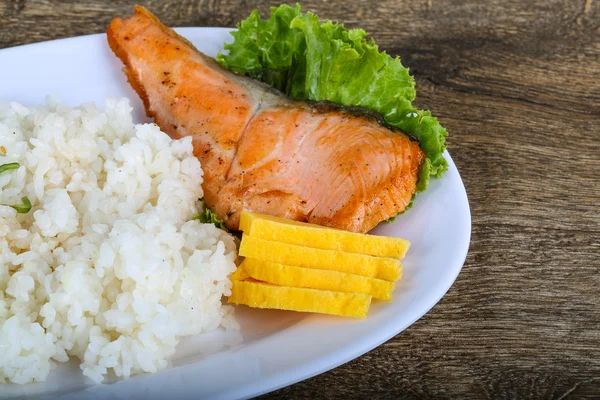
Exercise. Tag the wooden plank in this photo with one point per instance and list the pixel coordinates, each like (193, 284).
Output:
(517, 84)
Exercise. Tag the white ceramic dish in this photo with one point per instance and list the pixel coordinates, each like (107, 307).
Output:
(278, 348)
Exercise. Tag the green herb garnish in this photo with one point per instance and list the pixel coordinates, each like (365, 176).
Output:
(24, 207)
(9, 167)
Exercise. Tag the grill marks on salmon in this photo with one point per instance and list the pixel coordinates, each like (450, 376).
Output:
(260, 151)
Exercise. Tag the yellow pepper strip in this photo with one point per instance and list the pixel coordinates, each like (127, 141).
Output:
(264, 295)
(300, 256)
(287, 275)
(303, 234)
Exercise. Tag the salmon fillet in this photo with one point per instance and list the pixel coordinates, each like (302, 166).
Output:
(259, 150)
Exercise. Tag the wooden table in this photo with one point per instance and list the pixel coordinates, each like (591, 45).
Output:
(517, 84)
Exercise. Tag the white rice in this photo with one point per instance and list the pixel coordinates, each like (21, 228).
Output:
(107, 266)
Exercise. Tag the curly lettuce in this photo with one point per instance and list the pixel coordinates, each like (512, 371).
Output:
(312, 60)
(207, 216)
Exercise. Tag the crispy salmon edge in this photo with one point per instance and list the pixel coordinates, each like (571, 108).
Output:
(113, 41)
(143, 18)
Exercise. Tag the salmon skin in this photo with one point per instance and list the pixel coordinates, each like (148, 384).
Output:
(259, 150)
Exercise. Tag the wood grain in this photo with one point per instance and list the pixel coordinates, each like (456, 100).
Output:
(517, 84)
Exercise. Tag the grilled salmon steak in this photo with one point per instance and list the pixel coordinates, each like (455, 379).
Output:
(259, 150)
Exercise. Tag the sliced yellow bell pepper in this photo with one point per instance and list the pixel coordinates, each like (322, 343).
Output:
(287, 275)
(265, 295)
(300, 256)
(303, 234)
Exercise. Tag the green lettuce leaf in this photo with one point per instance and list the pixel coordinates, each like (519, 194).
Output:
(209, 217)
(312, 60)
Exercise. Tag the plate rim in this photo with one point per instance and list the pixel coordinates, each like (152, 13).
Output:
(342, 354)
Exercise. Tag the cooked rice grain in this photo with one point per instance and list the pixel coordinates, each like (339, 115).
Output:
(108, 265)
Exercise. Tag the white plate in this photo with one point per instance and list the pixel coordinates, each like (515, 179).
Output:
(278, 348)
